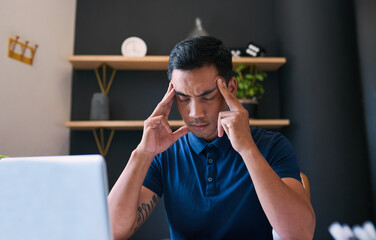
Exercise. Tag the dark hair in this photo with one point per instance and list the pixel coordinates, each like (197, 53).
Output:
(195, 52)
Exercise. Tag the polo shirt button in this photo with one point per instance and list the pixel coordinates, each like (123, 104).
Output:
(210, 161)
(210, 179)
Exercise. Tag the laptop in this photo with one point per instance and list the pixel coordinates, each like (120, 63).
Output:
(54, 197)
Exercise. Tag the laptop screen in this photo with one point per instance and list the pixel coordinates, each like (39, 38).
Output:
(54, 197)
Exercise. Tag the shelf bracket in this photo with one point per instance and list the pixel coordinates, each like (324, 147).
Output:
(102, 146)
(103, 85)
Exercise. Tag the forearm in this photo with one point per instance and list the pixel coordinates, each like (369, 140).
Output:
(124, 196)
(288, 209)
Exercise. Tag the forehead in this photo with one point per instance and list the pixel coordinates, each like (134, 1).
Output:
(196, 81)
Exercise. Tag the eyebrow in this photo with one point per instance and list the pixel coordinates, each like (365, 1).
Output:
(199, 95)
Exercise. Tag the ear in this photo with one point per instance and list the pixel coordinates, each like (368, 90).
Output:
(232, 86)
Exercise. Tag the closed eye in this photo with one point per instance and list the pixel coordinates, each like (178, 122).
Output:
(208, 99)
(180, 99)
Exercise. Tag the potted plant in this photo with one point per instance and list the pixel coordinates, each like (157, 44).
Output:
(250, 89)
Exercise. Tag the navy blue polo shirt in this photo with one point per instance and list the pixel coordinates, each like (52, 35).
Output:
(208, 191)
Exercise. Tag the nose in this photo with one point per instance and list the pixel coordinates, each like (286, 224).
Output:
(196, 110)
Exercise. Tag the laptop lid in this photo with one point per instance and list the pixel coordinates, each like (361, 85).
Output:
(54, 197)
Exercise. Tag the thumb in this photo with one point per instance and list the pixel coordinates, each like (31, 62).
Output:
(180, 132)
(220, 127)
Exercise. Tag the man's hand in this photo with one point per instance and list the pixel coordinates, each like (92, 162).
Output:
(234, 122)
(158, 136)
(284, 201)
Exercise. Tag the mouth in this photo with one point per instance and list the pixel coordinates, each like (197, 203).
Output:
(199, 127)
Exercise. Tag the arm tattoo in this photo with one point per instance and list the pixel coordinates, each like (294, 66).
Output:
(144, 210)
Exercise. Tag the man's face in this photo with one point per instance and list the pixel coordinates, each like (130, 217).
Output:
(199, 100)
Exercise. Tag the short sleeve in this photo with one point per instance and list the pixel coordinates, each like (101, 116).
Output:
(278, 151)
(153, 179)
(282, 158)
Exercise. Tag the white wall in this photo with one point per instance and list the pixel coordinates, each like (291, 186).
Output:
(35, 100)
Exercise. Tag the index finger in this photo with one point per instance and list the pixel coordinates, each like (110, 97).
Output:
(165, 104)
(232, 102)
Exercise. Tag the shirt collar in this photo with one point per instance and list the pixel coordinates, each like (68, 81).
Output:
(199, 144)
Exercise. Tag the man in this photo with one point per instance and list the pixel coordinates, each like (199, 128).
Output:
(220, 178)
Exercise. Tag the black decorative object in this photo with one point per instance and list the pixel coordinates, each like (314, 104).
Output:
(251, 50)
(254, 50)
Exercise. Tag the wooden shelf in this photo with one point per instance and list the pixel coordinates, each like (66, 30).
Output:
(267, 64)
(137, 125)
(118, 62)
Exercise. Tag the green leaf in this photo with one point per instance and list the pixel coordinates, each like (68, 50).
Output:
(240, 68)
(259, 77)
(249, 76)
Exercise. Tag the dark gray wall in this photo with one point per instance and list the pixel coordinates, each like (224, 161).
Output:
(366, 29)
(321, 93)
(312, 89)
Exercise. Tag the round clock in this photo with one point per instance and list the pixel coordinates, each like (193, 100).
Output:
(133, 47)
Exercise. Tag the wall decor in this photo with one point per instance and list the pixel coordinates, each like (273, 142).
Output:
(133, 47)
(100, 107)
(198, 30)
(25, 50)
(254, 50)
